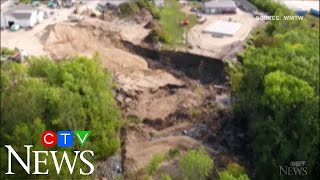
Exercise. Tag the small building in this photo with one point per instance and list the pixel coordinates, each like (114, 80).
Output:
(223, 28)
(219, 7)
(23, 15)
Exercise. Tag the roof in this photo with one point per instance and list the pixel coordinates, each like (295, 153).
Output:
(220, 4)
(21, 15)
(22, 8)
(223, 28)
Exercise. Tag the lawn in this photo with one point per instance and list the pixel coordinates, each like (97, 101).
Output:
(170, 17)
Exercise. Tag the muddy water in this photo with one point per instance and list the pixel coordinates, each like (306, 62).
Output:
(205, 69)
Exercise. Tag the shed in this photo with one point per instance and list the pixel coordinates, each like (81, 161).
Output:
(219, 7)
(24, 15)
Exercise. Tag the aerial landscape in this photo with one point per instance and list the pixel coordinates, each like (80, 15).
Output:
(160, 89)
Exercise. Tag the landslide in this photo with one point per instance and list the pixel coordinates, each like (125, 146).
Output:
(173, 110)
(139, 87)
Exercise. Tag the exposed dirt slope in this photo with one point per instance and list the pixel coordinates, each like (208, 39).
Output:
(142, 144)
(139, 85)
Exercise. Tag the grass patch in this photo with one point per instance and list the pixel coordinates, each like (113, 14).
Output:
(171, 32)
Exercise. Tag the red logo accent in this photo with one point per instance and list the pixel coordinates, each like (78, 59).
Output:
(49, 138)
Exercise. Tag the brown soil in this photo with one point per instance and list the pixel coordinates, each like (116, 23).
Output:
(143, 142)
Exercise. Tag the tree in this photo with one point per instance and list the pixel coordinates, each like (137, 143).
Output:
(70, 95)
(196, 164)
(276, 91)
(291, 119)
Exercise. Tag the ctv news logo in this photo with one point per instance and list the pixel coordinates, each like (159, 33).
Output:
(296, 168)
(65, 138)
(50, 139)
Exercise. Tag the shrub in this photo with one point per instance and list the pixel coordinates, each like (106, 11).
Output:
(174, 152)
(265, 41)
(7, 52)
(196, 164)
(165, 176)
(150, 6)
(134, 120)
(158, 34)
(233, 172)
(153, 37)
(128, 8)
(163, 35)
(154, 164)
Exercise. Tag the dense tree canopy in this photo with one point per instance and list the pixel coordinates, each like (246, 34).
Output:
(70, 95)
(277, 90)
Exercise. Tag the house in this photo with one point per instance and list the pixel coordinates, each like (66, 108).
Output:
(23, 15)
(219, 7)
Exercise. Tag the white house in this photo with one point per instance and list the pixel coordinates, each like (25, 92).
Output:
(24, 15)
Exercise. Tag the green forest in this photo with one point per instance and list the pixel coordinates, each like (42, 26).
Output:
(44, 95)
(276, 92)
